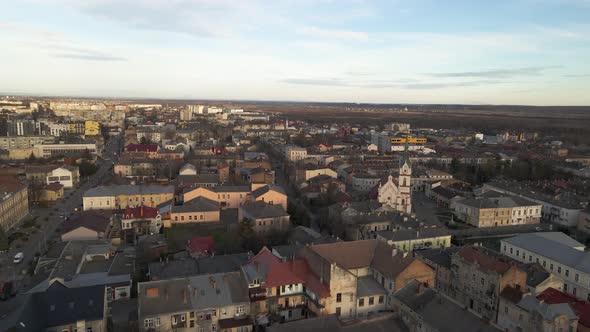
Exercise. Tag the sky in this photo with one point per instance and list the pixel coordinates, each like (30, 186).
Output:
(533, 52)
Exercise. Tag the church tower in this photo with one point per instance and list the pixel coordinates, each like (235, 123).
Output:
(404, 198)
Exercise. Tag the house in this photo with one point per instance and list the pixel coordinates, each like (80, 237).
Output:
(14, 202)
(68, 176)
(423, 309)
(51, 193)
(498, 210)
(86, 226)
(121, 196)
(580, 307)
(284, 288)
(142, 219)
(214, 302)
(557, 253)
(200, 246)
(343, 267)
(479, 276)
(524, 312)
(227, 196)
(65, 309)
(198, 210)
(266, 217)
(271, 194)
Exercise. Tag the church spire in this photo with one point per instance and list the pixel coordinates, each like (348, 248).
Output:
(405, 156)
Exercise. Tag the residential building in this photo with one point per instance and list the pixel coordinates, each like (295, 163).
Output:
(497, 211)
(265, 217)
(560, 211)
(122, 196)
(343, 267)
(14, 202)
(198, 210)
(214, 302)
(51, 193)
(271, 194)
(295, 153)
(479, 276)
(557, 253)
(417, 239)
(142, 220)
(24, 142)
(524, 312)
(65, 309)
(423, 309)
(285, 288)
(227, 196)
(363, 182)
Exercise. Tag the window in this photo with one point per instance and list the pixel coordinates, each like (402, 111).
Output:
(577, 277)
(506, 309)
(240, 309)
(338, 297)
(559, 269)
(381, 299)
(338, 311)
(371, 300)
(361, 302)
(551, 267)
(574, 291)
(518, 253)
(482, 281)
(89, 329)
(510, 250)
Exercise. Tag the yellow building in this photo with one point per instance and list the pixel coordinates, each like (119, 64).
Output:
(410, 139)
(122, 196)
(409, 240)
(51, 193)
(92, 128)
(14, 202)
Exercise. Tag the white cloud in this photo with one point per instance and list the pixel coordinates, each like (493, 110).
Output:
(337, 34)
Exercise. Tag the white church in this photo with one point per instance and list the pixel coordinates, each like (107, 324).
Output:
(396, 194)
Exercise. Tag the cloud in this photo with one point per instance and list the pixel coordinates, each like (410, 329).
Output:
(91, 57)
(395, 84)
(496, 73)
(577, 75)
(348, 35)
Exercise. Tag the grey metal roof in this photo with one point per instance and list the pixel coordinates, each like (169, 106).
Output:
(497, 202)
(367, 286)
(199, 204)
(195, 293)
(262, 210)
(127, 189)
(553, 247)
(438, 311)
(547, 311)
(60, 306)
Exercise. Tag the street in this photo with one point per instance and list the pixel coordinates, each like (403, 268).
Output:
(48, 219)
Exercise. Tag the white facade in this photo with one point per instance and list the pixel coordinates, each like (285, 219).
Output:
(294, 153)
(576, 278)
(56, 129)
(65, 177)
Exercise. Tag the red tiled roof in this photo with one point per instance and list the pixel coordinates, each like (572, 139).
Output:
(201, 244)
(140, 212)
(483, 259)
(265, 257)
(142, 148)
(581, 308)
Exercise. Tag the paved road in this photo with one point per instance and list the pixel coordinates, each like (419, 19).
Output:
(39, 241)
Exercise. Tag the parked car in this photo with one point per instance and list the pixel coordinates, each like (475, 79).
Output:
(18, 258)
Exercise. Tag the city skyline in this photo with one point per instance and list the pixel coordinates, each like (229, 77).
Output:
(522, 52)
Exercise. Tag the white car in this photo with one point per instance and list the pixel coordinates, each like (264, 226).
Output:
(18, 258)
